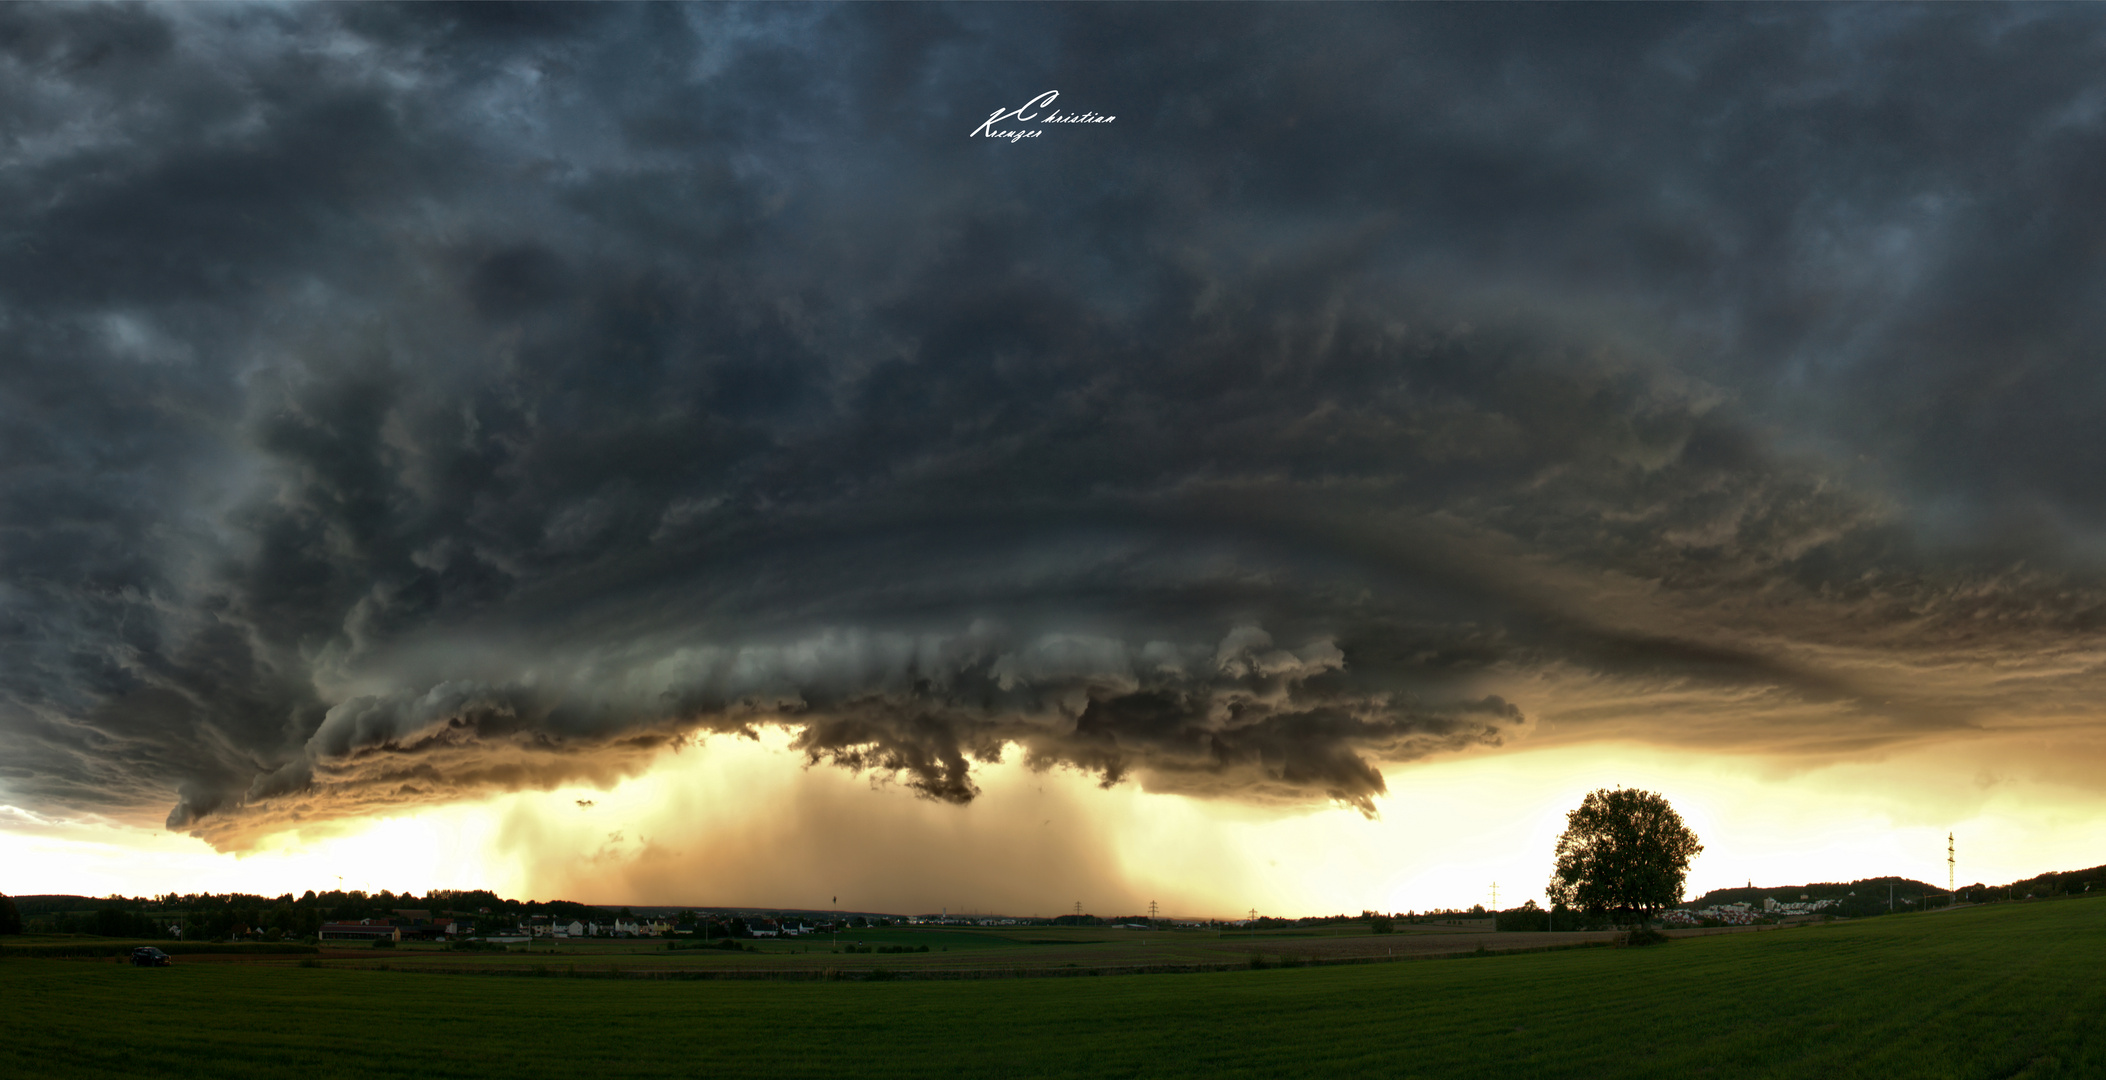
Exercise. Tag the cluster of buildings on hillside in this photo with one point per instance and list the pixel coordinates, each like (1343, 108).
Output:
(1745, 914)
(579, 928)
(410, 925)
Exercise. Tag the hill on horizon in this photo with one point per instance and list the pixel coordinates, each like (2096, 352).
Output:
(1870, 896)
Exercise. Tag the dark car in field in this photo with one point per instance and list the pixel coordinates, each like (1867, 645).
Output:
(148, 956)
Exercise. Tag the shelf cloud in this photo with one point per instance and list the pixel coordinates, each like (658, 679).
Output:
(406, 404)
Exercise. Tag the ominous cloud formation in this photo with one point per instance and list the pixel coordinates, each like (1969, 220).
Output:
(405, 403)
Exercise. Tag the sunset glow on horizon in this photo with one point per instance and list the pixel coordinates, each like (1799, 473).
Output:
(675, 837)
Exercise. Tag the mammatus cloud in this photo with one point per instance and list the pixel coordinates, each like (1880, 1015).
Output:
(408, 403)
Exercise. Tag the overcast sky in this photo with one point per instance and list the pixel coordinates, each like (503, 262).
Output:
(403, 409)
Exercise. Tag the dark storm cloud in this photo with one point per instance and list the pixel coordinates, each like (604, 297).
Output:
(403, 403)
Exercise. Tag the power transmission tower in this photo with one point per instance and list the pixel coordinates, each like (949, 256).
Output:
(1495, 897)
(1948, 870)
(1151, 911)
(1078, 907)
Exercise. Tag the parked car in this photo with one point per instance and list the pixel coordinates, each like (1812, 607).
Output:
(148, 956)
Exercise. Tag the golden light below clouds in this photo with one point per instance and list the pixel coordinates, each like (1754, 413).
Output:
(734, 822)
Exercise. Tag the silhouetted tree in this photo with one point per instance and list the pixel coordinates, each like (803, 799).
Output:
(10, 917)
(1624, 853)
(1527, 917)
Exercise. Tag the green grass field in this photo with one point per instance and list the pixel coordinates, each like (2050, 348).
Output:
(2009, 991)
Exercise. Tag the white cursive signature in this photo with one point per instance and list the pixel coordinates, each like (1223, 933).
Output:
(1022, 115)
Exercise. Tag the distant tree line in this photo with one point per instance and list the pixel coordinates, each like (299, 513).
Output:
(211, 917)
(2068, 883)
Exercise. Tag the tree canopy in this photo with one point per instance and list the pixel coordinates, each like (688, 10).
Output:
(1624, 853)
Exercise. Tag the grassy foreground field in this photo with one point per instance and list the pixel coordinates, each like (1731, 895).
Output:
(2009, 991)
